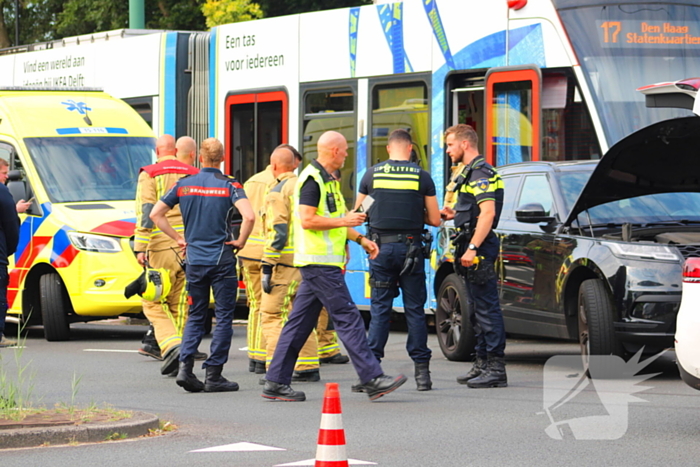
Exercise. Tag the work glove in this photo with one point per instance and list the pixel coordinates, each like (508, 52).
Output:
(266, 280)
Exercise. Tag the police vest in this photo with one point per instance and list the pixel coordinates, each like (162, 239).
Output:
(477, 182)
(320, 247)
(398, 203)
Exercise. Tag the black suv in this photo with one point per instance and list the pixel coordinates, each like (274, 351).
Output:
(591, 251)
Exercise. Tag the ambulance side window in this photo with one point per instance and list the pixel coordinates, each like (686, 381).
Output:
(6, 152)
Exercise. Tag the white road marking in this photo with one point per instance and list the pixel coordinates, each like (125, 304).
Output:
(110, 350)
(313, 462)
(239, 447)
(243, 349)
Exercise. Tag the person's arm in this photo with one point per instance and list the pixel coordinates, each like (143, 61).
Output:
(312, 221)
(483, 226)
(360, 198)
(246, 210)
(159, 219)
(368, 245)
(363, 189)
(432, 211)
(9, 220)
(276, 226)
(146, 198)
(22, 206)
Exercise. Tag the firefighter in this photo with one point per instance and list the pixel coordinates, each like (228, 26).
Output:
(321, 226)
(209, 201)
(404, 201)
(156, 249)
(479, 191)
(280, 279)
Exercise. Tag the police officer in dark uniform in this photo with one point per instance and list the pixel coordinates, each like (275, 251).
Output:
(478, 206)
(208, 202)
(404, 201)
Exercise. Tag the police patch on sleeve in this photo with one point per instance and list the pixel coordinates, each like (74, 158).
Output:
(482, 184)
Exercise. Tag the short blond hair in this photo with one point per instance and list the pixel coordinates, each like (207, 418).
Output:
(212, 151)
(3, 163)
(463, 132)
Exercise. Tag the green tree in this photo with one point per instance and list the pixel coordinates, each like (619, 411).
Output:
(230, 11)
(37, 20)
(290, 7)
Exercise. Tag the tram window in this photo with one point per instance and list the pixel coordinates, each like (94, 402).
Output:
(142, 106)
(243, 117)
(332, 110)
(512, 122)
(400, 106)
(567, 131)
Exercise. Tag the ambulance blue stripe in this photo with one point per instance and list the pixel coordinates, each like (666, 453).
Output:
(76, 131)
(170, 71)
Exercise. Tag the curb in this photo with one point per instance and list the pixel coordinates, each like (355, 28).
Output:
(138, 425)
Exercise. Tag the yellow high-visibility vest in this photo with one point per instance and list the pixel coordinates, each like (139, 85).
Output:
(320, 247)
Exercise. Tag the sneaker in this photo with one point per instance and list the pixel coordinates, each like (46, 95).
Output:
(337, 359)
(5, 342)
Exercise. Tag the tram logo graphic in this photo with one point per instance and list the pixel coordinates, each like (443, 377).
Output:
(572, 400)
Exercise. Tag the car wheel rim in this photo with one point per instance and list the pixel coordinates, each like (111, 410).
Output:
(449, 319)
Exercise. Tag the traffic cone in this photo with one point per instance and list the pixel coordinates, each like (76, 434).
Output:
(331, 436)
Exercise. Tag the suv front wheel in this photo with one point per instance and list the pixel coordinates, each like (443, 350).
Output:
(596, 315)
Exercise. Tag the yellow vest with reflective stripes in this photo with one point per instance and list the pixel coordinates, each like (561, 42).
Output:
(320, 247)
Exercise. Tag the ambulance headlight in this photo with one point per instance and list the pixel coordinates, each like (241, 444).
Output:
(96, 243)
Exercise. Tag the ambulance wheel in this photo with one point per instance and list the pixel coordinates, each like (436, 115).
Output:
(54, 307)
(596, 329)
(455, 333)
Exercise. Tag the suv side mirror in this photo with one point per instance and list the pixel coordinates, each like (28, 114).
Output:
(532, 213)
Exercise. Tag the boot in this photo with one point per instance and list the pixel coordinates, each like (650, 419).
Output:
(493, 377)
(382, 385)
(214, 382)
(423, 382)
(477, 369)
(307, 376)
(186, 378)
(282, 392)
(170, 360)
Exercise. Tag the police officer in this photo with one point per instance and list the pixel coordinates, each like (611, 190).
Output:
(404, 200)
(479, 201)
(208, 201)
(9, 237)
(321, 227)
(167, 316)
(280, 279)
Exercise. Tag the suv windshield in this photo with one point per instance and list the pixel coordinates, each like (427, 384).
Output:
(660, 207)
(90, 168)
(623, 47)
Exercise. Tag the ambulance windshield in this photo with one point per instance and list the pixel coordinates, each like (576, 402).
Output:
(90, 168)
(625, 46)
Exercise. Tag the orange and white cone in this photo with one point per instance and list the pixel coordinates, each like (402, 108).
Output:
(331, 437)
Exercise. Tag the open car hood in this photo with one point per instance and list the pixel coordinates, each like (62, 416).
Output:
(661, 158)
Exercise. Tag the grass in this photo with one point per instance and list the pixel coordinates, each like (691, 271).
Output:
(16, 387)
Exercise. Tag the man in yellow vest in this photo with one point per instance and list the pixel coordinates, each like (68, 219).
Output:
(160, 251)
(321, 226)
(280, 279)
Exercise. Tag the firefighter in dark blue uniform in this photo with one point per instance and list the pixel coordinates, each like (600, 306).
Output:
(479, 200)
(209, 201)
(404, 201)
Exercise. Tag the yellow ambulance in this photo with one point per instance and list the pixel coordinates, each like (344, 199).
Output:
(76, 155)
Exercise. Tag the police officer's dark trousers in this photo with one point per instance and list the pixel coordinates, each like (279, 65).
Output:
(486, 316)
(323, 286)
(385, 272)
(200, 280)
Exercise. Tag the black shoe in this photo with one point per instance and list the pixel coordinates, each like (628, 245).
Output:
(214, 382)
(493, 377)
(256, 367)
(251, 366)
(337, 359)
(382, 385)
(200, 356)
(357, 387)
(262, 381)
(186, 379)
(478, 368)
(423, 382)
(309, 376)
(147, 350)
(282, 392)
(170, 360)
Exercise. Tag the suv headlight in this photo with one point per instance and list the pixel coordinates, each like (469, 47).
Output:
(96, 243)
(641, 251)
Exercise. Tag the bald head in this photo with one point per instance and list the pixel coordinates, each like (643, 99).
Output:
(186, 150)
(165, 146)
(332, 150)
(282, 160)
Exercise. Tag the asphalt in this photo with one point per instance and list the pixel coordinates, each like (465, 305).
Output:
(449, 426)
